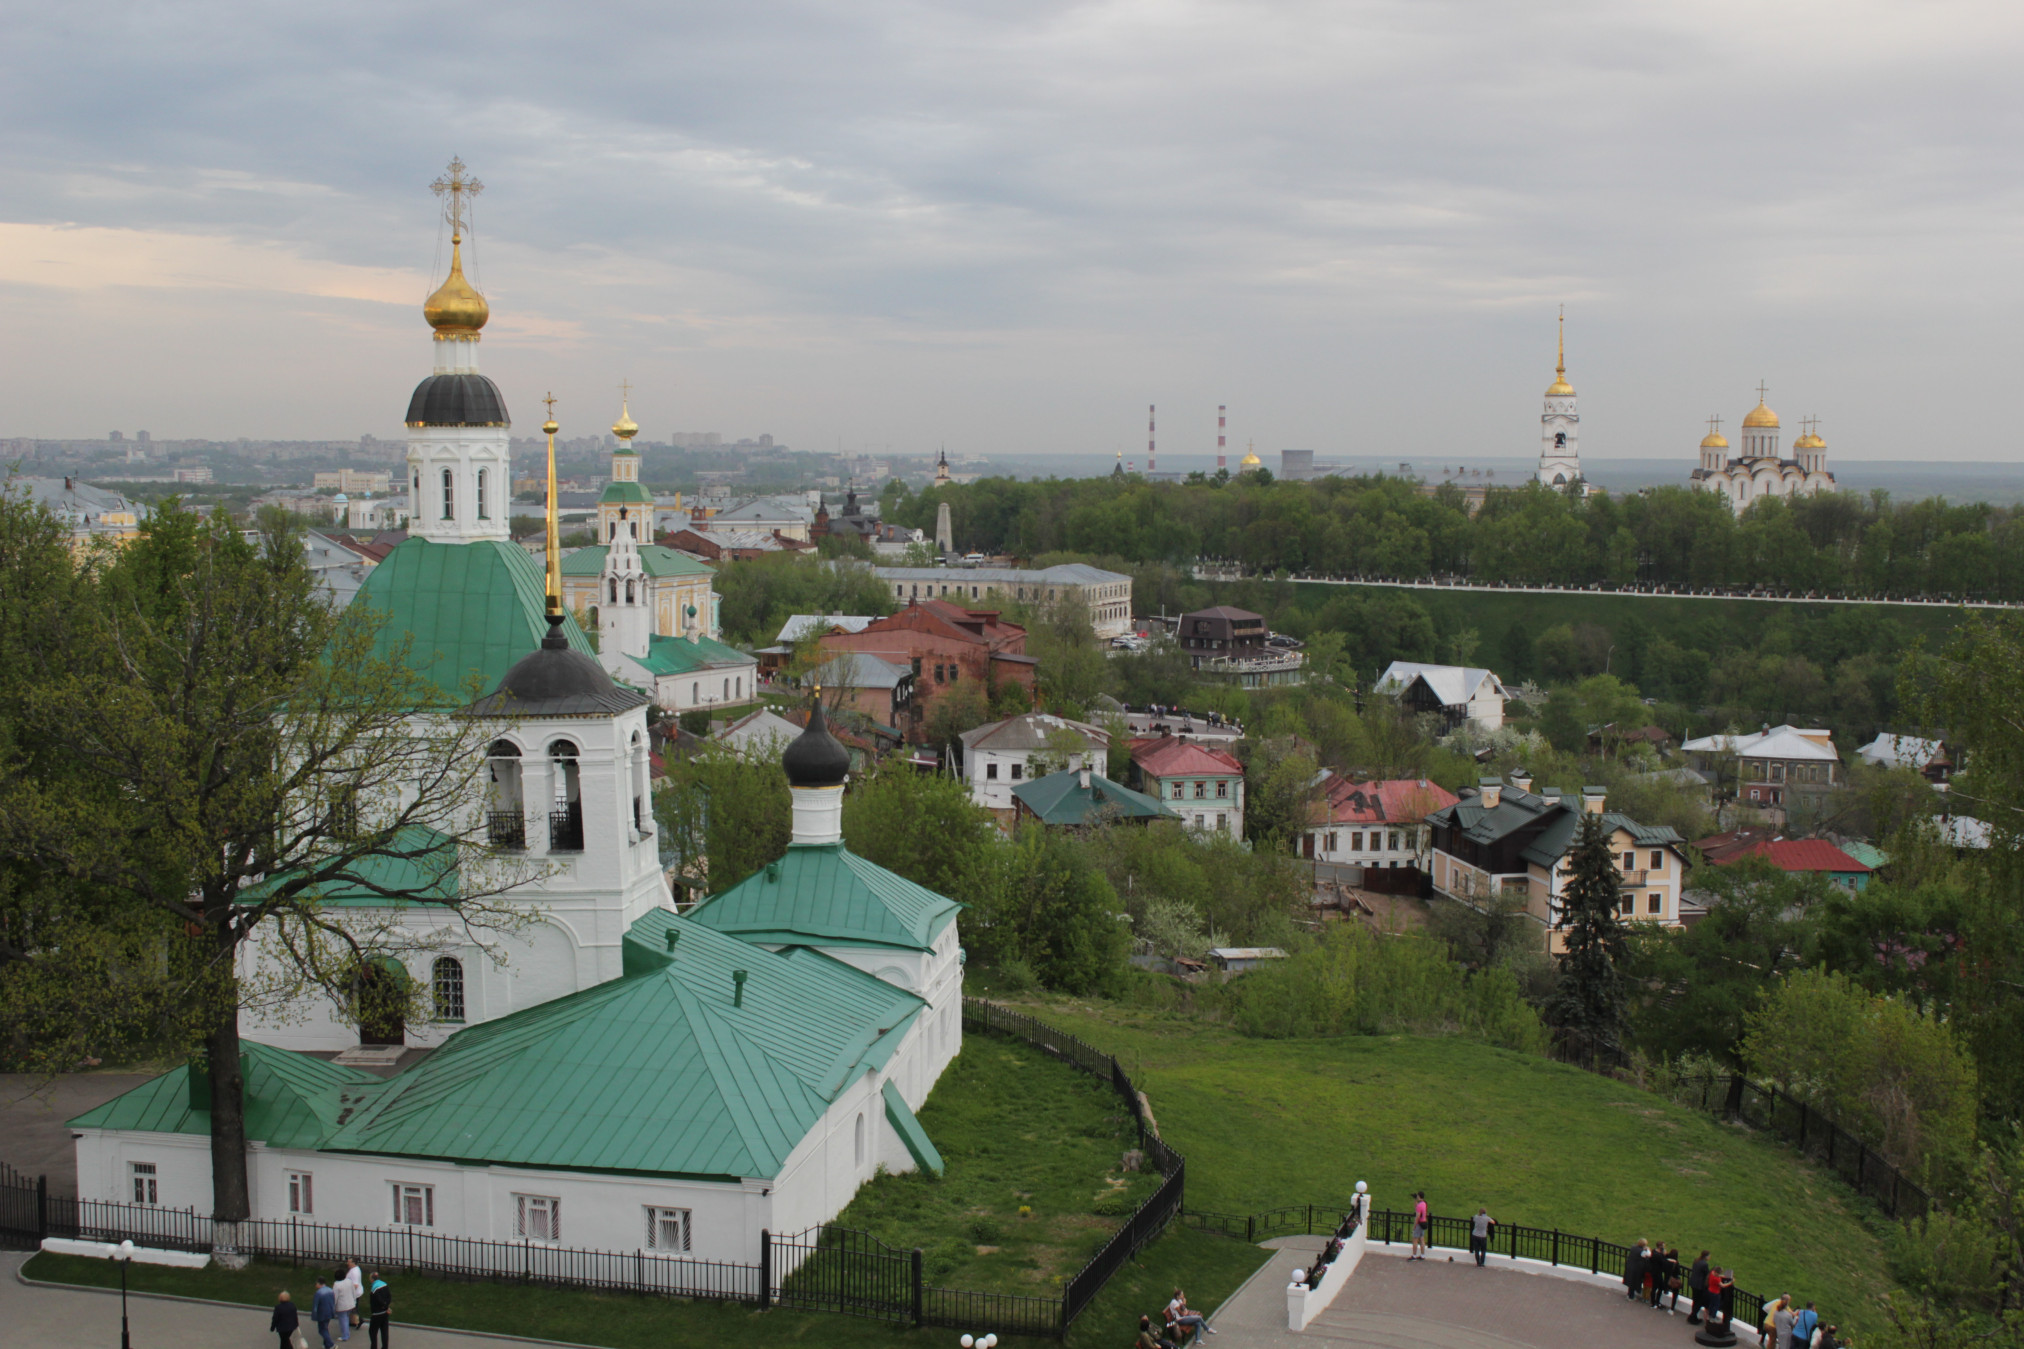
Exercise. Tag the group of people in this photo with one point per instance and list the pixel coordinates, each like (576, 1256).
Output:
(1787, 1328)
(337, 1308)
(1178, 1326)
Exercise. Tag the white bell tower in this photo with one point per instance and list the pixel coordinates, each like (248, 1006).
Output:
(1560, 426)
(460, 462)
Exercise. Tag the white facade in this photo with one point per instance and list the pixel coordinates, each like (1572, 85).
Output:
(1560, 428)
(1760, 469)
(1465, 693)
(1381, 846)
(998, 758)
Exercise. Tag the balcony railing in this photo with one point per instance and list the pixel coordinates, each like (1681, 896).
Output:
(507, 829)
(1636, 877)
(565, 827)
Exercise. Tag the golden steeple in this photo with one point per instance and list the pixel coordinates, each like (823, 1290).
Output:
(554, 582)
(625, 428)
(1560, 388)
(456, 311)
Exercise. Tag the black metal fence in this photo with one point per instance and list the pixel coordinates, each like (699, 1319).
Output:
(824, 1269)
(1735, 1097)
(1393, 1227)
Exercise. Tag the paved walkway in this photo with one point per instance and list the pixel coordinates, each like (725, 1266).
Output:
(1435, 1304)
(63, 1318)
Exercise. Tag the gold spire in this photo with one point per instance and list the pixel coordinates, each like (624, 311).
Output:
(554, 585)
(456, 311)
(625, 428)
(1560, 388)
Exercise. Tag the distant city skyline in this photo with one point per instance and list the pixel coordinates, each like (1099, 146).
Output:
(1011, 228)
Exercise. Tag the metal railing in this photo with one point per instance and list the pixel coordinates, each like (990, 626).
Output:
(506, 829)
(565, 827)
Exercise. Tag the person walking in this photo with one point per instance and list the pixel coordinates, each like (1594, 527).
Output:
(1422, 1220)
(1799, 1335)
(349, 1292)
(381, 1305)
(1697, 1289)
(285, 1321)
(323, 1310)
(1634, 1269)
(1480, 1228)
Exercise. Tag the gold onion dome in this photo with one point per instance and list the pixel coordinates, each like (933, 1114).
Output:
(1560, 388)
(1714, 440)
(625, 428)
(1251, 459)
(1810, 441)
(456, 309)
(1761, 416)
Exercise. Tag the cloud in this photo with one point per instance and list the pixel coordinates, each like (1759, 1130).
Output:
(1010, 225)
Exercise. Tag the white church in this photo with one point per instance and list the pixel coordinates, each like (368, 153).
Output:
(631, 1079)
(1560, 427)
(1759, 469)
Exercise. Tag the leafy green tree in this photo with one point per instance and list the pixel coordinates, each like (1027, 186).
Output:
(925, 827)
(1279, 802)
(724, 816)
(1899, 1079)
(1589, 997)
(241, 753)
(956, 709)
(1059, 915)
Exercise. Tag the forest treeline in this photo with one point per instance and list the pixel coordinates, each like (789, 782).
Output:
(1387, 527)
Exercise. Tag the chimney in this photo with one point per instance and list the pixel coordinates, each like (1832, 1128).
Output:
(1522, 779)
(674, 935)
(1593, 799)
(1084, 777)
(1220, 409)
(737, 988)
(1150, 409)
(1492, 792)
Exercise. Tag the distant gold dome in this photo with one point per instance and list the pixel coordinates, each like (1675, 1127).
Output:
(456, 309)
(1714, 440)
(1560, 388)
(625, 428)
(1761, 417)
(1250, 459)
(1810, 441)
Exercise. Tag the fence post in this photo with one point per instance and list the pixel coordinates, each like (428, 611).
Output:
(42, 1210)
(1594, 1254)
(917, 1287)
(1733, 1107)
(1556, 1247)
(1251, 1228)
(765, 1269)
(1895, 1176)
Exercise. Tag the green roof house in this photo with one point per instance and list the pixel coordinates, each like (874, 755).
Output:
(1076, 798)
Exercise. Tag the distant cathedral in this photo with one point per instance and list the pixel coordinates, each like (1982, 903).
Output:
(1760, 470)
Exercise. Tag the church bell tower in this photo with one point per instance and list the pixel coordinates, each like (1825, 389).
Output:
(1560, 426)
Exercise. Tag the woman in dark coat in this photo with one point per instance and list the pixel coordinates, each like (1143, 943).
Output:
(285, 1320)
(1697, 1288)
(1634, 1268)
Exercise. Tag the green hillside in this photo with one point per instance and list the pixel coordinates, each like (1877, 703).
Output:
(1268, 1122)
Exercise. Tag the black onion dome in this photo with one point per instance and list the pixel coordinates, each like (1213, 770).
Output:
(557, 680)
(816, 758)
(457, 400)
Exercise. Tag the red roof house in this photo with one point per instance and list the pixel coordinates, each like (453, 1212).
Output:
(1204, 786)
(1358, 822)
(1804, 855)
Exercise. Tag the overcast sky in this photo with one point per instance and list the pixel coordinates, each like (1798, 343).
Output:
(1011, 226)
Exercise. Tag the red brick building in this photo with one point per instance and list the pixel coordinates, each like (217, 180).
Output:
(948, 646)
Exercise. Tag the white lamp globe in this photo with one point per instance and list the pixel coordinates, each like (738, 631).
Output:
(1300, 1274)
(991, 1340)
(126, 1250)
(967, 1342)
(1361, 1187)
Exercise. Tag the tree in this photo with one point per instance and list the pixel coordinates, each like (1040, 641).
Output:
(925, 827)
(241, 755)
(1278, 792)
(1587, 1004)
(1072, 667)
(1059, 915)
(725, 815)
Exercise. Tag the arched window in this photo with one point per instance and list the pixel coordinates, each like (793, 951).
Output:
(628, 592)
(614, 589)
(484, 510)
(449, 495)
(506, 808)
(418, 486)
(448, 985)
(858, 1149)
(614, 531)
(1559, 440)
(565, 821)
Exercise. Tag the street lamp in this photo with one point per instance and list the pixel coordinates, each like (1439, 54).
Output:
(124, 1253)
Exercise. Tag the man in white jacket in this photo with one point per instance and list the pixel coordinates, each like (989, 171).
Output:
(349, 1289)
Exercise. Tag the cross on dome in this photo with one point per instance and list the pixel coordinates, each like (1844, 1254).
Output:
(456, 188)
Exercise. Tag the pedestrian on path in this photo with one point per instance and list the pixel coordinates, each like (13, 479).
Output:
(1421, 1221)
(349, 1291)
(285, 1321)
(1697, 1288)
(323, 1310)
(1634, 1266)
(382, 1308)
(1480, 1228)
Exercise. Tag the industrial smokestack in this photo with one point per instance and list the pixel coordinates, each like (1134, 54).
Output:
(1150, 448)
(1220, 426)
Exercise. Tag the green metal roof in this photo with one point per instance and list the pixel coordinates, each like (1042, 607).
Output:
(419, 866)
(655, 560)
(919, 1145)
(470, 609)
(663, 1071)
(1868, 854)
(626, 492)
(291, 1100)
(1060, 798)
(826, 894)
(681, 655)
(1558, 836)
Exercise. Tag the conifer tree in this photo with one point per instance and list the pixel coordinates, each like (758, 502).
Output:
(1587, 1006)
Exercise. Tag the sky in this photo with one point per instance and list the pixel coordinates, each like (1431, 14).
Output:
(1010, 227)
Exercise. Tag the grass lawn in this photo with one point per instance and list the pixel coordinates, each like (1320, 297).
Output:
(1210, 1268)
(1267, 1122)
(1017, 1130)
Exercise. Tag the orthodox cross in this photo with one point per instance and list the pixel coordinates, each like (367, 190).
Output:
(1762, 391)
(456, 187)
